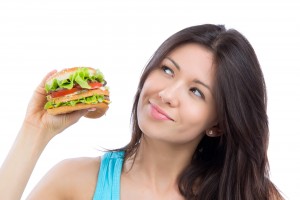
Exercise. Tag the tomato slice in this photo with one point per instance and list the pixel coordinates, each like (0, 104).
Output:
(95, 85)
(64, 92)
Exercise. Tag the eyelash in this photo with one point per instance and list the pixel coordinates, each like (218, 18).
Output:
(171, 73)
(200, 95)
(165, 68)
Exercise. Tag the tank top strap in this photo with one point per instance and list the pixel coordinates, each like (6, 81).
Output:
(109, 175)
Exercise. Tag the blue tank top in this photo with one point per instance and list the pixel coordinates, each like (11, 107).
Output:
(109, 176)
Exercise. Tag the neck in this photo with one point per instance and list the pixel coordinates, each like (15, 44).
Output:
(161, 163)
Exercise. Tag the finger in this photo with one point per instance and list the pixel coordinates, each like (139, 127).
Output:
(38, 99)
(47, 76)
(41, 86)
(73, 117)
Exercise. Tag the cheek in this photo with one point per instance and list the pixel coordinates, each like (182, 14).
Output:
(199, 117)
(140, 116)
(141, 106)
(150, 88)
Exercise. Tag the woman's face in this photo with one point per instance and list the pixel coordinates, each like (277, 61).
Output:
(176, 103)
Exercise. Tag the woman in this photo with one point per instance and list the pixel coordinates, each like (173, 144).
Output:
(200, 131)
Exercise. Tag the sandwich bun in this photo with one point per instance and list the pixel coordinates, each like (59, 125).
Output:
(62, 104)
(101, 109)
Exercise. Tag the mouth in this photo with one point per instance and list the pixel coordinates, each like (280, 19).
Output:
(158, 113)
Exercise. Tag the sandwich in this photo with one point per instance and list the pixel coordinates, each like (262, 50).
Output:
(75, 89)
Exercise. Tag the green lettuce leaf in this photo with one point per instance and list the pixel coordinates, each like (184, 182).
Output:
(86, 100)
(81, 77)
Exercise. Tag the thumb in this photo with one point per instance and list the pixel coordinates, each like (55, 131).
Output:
(74, 117)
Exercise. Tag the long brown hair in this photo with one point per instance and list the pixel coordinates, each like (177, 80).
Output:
(233, 166)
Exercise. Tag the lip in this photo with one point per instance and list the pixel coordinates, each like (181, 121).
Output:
(158, 113)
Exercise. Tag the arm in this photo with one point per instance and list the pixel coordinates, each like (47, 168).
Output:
(37, 130)
(73, 178)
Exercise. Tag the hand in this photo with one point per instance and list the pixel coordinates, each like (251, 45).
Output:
(38, 118)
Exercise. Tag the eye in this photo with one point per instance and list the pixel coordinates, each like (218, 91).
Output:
(197, 92)
(167, 70)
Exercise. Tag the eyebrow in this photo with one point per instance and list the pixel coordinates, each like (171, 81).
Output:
(195, 80)
(174, 63)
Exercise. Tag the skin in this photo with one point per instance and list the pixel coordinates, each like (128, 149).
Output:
(37, 130)
(168, 144)
(166, 147)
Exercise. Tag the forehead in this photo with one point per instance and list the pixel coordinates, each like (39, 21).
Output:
(193, 60)
(192, 53)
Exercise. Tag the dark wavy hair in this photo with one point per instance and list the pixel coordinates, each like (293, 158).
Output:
(233, 166)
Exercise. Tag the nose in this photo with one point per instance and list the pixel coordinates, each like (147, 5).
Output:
(170, 95)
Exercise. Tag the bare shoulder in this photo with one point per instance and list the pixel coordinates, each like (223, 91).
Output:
(73, 178)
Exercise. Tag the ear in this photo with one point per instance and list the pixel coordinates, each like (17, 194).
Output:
(214, 131)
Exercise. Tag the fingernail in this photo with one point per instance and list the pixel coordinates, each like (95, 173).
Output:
(91, 109)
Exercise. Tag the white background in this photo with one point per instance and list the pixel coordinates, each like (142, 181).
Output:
(119, 37)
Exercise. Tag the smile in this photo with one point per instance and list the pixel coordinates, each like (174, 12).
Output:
(158, 113)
